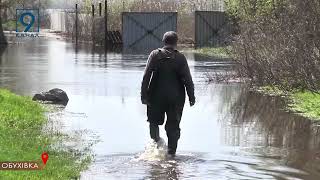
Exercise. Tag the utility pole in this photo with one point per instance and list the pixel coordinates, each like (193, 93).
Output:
(212, 6)
(92, 7)
(106, 25)
(123, 5)
(76, 25)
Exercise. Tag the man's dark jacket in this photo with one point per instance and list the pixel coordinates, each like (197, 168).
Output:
(166, 77)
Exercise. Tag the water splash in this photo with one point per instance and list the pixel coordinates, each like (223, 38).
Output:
(154, 151)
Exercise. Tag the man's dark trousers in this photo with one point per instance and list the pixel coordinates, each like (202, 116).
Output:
(156, 114)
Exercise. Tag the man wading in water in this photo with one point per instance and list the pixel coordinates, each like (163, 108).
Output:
(165, 79)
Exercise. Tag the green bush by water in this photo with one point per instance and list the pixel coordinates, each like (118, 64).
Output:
(277, 42)
(9, 25)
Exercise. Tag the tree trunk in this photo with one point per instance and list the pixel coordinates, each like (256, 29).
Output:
(3, 40)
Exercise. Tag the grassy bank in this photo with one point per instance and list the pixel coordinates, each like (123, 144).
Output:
(22, 139)
(220, 52)
(306, 103)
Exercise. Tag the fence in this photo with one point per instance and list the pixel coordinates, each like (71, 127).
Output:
(79, 24)
(143, 30)
(211, 28)
(64, 21)
(58, 20)
(202, 28)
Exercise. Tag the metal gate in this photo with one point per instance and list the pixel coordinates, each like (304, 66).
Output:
(144, 30)
(211, 28)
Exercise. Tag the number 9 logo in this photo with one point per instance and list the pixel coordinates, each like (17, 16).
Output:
(28, 25)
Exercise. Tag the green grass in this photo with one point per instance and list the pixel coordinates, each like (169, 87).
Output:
(222, 52)
(270, 90)
(308, 103)
(9, 25)
(22, 139)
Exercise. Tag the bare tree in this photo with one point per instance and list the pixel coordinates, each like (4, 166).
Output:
(278, 44)
(3, 40)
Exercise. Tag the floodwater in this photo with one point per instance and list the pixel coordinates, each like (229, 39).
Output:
(230, 133)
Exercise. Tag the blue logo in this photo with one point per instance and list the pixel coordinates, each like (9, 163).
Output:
(28, 20)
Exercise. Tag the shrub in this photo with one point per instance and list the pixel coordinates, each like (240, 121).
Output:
(278, 42)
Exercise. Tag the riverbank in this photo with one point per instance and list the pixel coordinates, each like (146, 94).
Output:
(305, 103)
(22, 138)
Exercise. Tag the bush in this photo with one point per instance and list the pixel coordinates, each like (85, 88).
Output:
(9, 25)
(278, 43)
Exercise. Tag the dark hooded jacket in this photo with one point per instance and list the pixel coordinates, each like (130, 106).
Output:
(166, 78)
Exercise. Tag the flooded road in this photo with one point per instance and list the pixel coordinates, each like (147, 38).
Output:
(230, 133)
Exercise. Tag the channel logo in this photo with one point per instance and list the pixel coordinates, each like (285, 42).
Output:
(27, 22)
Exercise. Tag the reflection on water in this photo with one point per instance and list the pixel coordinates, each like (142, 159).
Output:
(231, 133)
(259, 122)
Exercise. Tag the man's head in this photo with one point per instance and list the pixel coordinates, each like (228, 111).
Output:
(170, 38)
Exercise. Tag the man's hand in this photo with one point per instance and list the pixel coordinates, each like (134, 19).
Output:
(192, 102)
(144, 101)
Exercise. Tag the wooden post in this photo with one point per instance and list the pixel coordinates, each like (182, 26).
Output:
(106, 24)
(93, 30)
(123, 6)
(76, 24)
(92, 10)
(212, 5)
